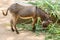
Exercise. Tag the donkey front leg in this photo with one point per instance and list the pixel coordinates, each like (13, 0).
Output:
(33, 24)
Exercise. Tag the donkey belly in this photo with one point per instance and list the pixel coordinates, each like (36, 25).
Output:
(26, 14)
(25, 17)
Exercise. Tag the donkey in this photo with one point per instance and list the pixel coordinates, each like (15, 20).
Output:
(26, 12)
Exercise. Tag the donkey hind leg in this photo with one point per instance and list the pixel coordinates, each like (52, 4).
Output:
(33, 24)
(15, 27)
(12, 25)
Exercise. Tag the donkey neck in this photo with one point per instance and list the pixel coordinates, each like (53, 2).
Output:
(42, 14)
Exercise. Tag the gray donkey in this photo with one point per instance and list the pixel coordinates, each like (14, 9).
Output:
(27, 12)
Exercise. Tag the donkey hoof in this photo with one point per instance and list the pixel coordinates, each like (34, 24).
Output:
(17, 32)
(12, 30)
(33, 30)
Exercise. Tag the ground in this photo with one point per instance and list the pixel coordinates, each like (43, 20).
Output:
(7, 34)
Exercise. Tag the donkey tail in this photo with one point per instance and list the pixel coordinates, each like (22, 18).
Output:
(5, 14)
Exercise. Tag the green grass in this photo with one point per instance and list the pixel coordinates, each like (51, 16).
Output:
(53, 32)
(52, 37)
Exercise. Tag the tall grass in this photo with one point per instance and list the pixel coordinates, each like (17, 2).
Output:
(53, 8)
(50, 6)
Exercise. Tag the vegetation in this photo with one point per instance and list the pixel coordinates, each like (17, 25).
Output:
(53, 8)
